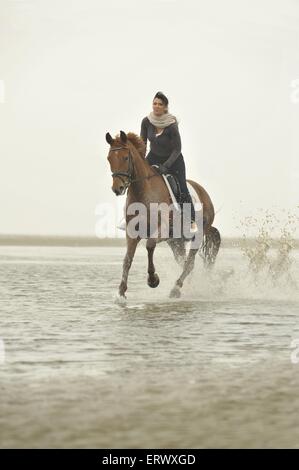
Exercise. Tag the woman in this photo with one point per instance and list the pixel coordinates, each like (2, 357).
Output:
(161, 129)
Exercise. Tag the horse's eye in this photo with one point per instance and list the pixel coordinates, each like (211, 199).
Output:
(126, 158)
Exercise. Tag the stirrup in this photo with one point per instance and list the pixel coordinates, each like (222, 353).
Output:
(122, 224)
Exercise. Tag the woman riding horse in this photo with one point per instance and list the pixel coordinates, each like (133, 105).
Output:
(145, 187)
(161, 129)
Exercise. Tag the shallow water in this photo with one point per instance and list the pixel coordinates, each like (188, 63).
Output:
(211, 369)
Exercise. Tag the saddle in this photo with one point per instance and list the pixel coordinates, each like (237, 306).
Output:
(175, 192)
(173, 186)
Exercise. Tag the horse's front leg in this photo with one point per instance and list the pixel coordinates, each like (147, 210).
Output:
(131, 248)
(188, 267)
(153, 278)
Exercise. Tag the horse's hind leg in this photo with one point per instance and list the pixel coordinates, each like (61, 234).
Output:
(131, 248)
(153, 278)
(188, 267)
(179, 250)
(210, 247)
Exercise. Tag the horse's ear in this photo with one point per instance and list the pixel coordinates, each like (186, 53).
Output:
(109, 139)
(123, 136)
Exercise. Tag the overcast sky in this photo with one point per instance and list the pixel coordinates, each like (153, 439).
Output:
(72, 70)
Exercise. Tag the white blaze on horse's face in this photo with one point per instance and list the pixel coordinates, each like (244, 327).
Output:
(119, 160)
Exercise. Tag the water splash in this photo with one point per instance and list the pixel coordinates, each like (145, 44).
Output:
(269, 253)
(263, 263)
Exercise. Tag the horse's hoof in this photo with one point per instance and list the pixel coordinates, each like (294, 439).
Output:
(175, 293)
(120, 299)
(153, 280)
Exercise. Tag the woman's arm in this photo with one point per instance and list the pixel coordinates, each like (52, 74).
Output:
(143, 131)
(176, 146)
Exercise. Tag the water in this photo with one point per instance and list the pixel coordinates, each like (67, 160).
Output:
(212, 369)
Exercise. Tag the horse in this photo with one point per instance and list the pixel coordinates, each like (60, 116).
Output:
(131, 172)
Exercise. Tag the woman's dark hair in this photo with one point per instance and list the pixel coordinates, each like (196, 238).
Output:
(161, 97)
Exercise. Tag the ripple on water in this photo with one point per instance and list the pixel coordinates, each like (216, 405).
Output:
(209, 369)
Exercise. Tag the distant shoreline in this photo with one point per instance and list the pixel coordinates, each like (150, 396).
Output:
(59, 240)
(89, 241)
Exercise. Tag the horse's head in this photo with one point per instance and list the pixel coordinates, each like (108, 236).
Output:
(121, 163)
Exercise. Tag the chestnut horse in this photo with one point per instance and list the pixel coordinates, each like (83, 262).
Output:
(131, 170)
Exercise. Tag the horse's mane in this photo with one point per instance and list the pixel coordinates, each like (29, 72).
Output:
(135, 140)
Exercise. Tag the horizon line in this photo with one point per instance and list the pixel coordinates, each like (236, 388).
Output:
(93, 240)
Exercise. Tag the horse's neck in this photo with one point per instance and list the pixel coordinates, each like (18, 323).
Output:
(142, 173)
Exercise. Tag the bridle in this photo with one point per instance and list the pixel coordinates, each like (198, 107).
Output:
(131, 171)
(128, 174)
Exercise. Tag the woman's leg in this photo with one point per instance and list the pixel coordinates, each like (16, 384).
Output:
(178, 168)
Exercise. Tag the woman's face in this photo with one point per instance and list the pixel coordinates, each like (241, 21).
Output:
(159, 108)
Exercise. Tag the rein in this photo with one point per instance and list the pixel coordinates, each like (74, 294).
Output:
(130, 173)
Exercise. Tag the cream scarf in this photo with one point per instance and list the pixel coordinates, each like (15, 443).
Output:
(162, 121)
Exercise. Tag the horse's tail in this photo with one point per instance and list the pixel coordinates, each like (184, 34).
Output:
(210, 246)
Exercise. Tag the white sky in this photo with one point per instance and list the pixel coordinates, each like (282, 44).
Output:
(73, 70)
